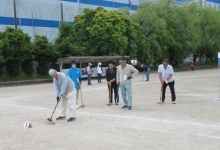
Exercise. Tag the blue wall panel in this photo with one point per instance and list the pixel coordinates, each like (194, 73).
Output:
(214, 1)
(30, 22)
(5, 20)
(104, 3)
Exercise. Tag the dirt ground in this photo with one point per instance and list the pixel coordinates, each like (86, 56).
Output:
(192, 124)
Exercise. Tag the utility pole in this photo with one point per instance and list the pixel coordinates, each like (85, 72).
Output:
(61, 8)
(15, 15)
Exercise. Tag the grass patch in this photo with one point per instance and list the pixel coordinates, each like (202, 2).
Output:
(197, 65)
(23, 77)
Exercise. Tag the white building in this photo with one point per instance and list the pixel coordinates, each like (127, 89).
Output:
(212, 3)
(43, 17)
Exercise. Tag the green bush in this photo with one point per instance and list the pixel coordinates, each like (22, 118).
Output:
(42, 68)
(28, 67)
(2, 69)
(12, 68)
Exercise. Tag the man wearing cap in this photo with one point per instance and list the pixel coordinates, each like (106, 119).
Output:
(65, 90)
(89, 73)
(75, 74)
(166, 78)
(125, 73)
(146, 71)
(112, 84)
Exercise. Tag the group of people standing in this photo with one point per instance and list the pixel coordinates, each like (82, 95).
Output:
(89, 71)
(117, 77)
(67, 86)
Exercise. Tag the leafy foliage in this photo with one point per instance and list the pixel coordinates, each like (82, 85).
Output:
(44, 53)
(15, 45)
(100, 32)
(158, 30)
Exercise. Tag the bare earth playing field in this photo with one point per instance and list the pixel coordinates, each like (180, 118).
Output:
(192, 124)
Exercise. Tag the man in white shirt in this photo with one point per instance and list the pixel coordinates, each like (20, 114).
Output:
(99, 71)
(125, 73)
(166, 78)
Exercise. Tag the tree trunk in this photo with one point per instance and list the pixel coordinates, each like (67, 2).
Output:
(206, 60)
(195, 55)
(155, 64)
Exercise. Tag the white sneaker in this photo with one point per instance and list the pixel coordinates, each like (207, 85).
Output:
(173, 102)
(77, 107)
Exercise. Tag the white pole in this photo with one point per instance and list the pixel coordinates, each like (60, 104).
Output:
(61, 66)
(219, 79)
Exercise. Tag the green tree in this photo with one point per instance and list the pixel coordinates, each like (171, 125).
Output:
(65, 41)
(44, 53)
(15, 47)
(184, 26)
(210, 20)
(101, 32)
(1, 54)
(155, 29)
(27, 65)
(172, 31)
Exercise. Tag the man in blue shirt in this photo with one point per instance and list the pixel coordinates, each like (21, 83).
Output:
(146, 71)
(75, 74)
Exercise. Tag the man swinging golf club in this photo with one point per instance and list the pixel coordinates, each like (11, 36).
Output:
(166, 78)
(65, 91)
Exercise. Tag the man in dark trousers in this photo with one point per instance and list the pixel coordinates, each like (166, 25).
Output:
(112, 84)
(146, 71)
(166, 76)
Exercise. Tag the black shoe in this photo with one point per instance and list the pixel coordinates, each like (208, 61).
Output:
(71, 119)
(124, 107)
(129, 108)
(60, 118)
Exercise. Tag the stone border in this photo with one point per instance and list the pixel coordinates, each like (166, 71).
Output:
(25, 82)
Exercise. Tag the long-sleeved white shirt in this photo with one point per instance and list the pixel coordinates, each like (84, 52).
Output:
(99, 70)
(127, 70)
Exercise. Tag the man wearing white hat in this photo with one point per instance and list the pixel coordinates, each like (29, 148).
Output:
(99, 71)
(65, 90)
